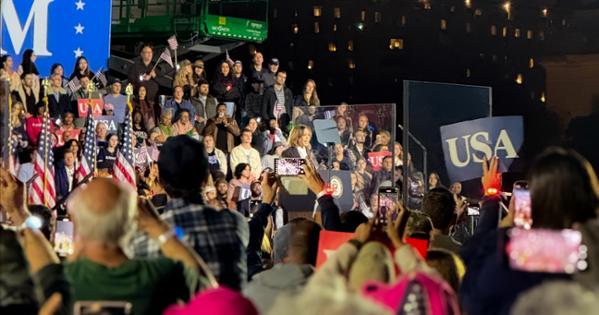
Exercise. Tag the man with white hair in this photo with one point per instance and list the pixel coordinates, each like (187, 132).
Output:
(99, 270)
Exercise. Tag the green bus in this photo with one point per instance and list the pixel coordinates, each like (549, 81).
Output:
(234, 20)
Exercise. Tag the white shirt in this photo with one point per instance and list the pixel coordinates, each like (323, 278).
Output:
(70, 176)
(302, 152)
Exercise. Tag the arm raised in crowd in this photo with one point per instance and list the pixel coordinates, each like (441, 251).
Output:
(331, 219)
(258, 223)
(171, 247)
(233, 127)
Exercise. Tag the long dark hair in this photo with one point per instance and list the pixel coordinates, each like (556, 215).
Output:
(28, 65)
(239, 169)
(77, 73)
(563, 188)
(3, 59)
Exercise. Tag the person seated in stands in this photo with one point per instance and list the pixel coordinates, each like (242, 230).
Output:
(358, 148)
(217, 160)
(65, 175)
(343, 129)
(101, 135)
(177, 103)
(59, 102)
(28, 93)
(107, 155)
(165, 127)
(341, 156)
(118, 101)
(33, 124)
(67, 130)
(364, 125)
(385, 174)
(184, 125)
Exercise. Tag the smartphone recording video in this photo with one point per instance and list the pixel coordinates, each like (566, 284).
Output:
(387, 198)
(550, 251)
(289, 167)
(522, 209)
(63, 238)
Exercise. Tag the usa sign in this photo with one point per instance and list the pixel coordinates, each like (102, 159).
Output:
(58, 31)
(467, 144)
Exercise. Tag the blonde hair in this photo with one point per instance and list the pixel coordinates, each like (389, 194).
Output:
(296, 134)
(314, 100)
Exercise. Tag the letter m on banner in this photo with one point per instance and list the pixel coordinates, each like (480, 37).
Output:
(18, 29)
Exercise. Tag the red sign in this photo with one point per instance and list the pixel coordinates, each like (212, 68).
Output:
(63, 136)
(96, 103)
(328, 243)
(376, 159)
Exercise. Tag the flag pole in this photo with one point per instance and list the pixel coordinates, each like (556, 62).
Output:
(46, 132)
(9, 138)
(129, 92)
(90, 89)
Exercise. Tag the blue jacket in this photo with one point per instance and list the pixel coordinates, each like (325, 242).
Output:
(176, 107)
(61, 181)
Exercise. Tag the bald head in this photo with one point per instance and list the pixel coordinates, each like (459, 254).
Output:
(102, 211)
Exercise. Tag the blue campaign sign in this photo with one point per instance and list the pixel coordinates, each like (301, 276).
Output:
(467, 144)
(58, 31)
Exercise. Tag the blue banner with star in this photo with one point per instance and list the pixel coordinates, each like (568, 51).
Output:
(58, 31)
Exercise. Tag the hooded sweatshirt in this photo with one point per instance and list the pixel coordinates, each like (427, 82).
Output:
(282, 278)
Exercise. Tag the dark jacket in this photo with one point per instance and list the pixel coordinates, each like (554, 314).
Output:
(257, 225)
(253, 104)
(489, 285)
(61, 181)
(139, 69)
(226, 89)
(61, 105)
(270, 99)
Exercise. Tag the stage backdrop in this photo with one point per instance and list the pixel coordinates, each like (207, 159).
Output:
(431, 105)
(58, 31)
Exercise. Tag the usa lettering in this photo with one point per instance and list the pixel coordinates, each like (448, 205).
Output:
(477, 146)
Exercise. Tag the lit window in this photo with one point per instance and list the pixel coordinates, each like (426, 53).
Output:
(468, 27)
(468, 3)
(427, 6)
(337, 13)
(543, 100)
(468, 73)
(508, 9)
(564, 23)
(529, 34)
(351, 64)
(295, 13)
(363, 15)
(542, 35)
(531, 63)
(478, 12)
(519, 79)
(403, 20)
(377, 17)
(545, 12)
(317, 11)
(310, 64)
(517, 33)
(350, 45)
(443, 24)
(295, 28)
(504, 31)
(334, 27)
(395, 43)
(452, 9)
(493, 30)
(316, 27)
(332, 47)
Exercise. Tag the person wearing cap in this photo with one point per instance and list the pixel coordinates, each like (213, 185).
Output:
(117, 100)
(271, 73)
(198, 71)
(219, 237)
(278, 101)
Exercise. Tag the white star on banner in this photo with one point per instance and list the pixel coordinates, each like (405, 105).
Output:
(78, 52)
(79, 28)
(80, 4)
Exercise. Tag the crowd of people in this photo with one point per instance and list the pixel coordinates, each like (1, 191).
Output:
(206, 231)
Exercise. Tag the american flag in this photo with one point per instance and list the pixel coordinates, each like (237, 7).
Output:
(172, 42)
(88, 158)
(123, 166)
(42, 190)
(101, 77)
(74, 85)
(166, 56)
(13, 158)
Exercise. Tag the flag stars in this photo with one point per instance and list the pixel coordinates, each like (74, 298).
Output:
(80, 5)
(78, 52)
(79, 28)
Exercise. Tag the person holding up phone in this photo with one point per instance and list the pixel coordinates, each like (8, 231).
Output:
(223, 129)
(564, 194)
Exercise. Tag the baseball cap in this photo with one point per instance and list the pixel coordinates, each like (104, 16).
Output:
(274, 61)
